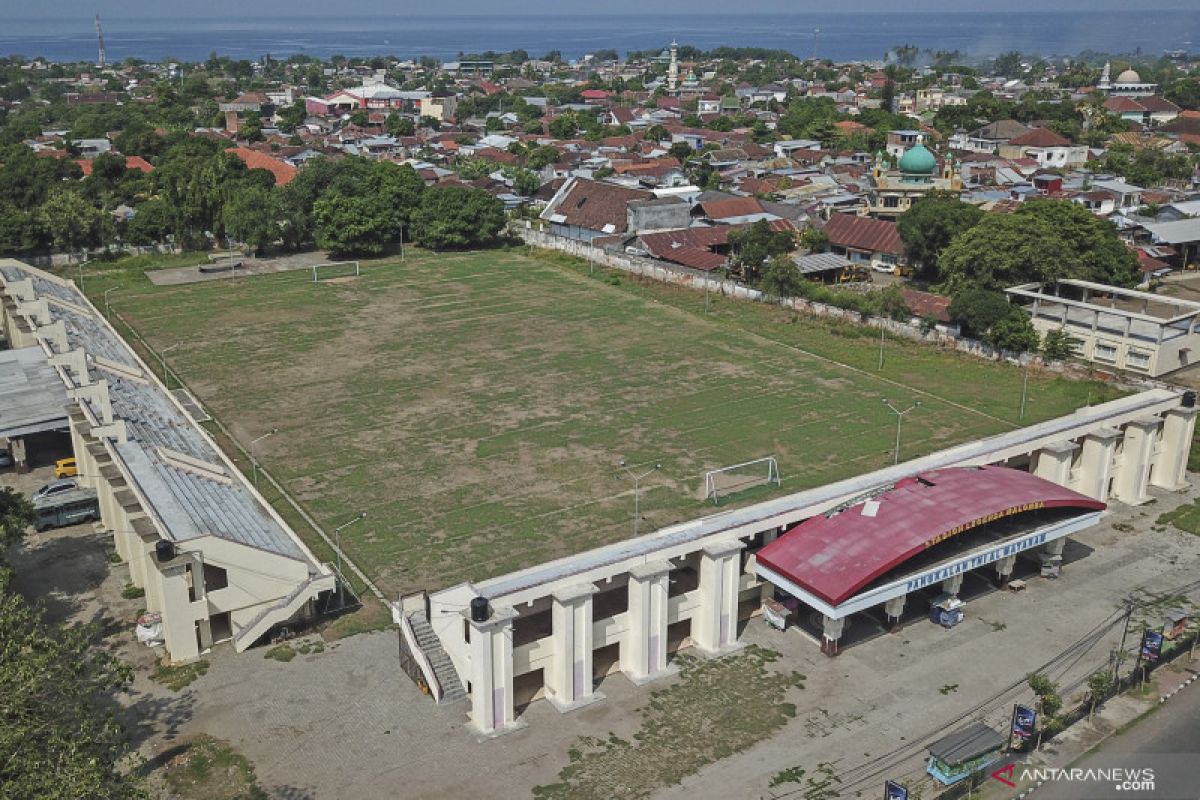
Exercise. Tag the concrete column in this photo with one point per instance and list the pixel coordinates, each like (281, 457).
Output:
(953, 585)
(830, 635)
(894, 608)
(1004, 570)
(1170, 462)
(1133, 465)
(1095, 464)
(492, 672)
(1054, 462)
(16, 448)
(179, 625)
(569, 677)
(714, 626)
(644, 650)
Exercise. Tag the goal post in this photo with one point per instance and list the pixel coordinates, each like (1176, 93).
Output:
(729, 480)
(335, 269)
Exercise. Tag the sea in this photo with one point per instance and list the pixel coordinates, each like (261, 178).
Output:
(839, 36)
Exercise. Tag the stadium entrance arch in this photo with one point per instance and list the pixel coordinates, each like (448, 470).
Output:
(920, 537)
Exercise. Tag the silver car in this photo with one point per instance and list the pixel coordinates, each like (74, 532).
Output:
(55, 487)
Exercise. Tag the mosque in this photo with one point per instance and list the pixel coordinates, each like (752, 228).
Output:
(1128, 84)
(893, 191)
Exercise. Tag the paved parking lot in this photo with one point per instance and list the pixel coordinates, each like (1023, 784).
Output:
(347, 723)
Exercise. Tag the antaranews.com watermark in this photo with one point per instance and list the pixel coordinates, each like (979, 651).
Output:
(1112, 777)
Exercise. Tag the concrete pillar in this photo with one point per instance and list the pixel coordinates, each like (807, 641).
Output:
(492, 672)
(1054, 462)
(953, 585)
(1095, 463)
(894, 608)
(831, 633)
(179, 624)
(644, 650)
(1133, 464)
(1004, 570)
(569, 677)
(1170, 462)
(16, 448)
(714, 626)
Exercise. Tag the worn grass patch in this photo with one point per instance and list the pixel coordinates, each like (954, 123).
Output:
(716, 708)
(179, 676)
(1185, 518)
(131, 592)
(476, 405)
(373, 616)
(209, 768)
(281, 652)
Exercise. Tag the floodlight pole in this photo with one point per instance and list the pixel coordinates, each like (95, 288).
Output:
(882, 330)
(107, 309)
(899, 419)
(637, 491)
(253, 458)
(1025, 389)
(162, 356)
(337, 533)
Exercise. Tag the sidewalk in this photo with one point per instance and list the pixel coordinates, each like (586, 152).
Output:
(1110, 719)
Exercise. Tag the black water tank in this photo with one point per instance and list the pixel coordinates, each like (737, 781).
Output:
(164, 550)
(1189, 399)
(479, 609)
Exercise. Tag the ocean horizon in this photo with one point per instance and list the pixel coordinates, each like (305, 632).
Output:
(842, 36)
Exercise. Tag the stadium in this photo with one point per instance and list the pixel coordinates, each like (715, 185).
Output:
(487, 435)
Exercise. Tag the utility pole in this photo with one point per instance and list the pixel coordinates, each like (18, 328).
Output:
(899, 419)
(1121, 647)
(337, 532)
(636, 491)
(162, 355)
(1025, 388)
(882, 330)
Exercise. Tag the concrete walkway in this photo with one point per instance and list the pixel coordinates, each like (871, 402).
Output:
(178, 276)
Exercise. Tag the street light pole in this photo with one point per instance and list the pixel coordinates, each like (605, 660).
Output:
(899, 419)
(1025, 389)
(637, 479)
(107, 309)
(337, 533)
(254, 458)
(882, 329)
(162, 356)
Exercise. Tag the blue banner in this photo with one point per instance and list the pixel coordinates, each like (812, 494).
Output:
(894, 791)
(1152, 642)
(1024, 721)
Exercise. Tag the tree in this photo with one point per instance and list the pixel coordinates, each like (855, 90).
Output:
(453, 216)
(929, 226)
(754, 245)
(1049, 701)
(893, 305)
(16, 514)
(781, 278)
(1056, 345)
(73, 223)
(1014, 333)
(400, 125)
(814, 239)
(58, 742)
(977, 310)
(564, 126)
(292, 117)
(1008, 64)
(250, 215)
(351, 225)
(1100, 685)
(1043, 240)
(541, 156)
(681, 151)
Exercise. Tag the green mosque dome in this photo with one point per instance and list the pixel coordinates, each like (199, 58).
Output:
(918, 161)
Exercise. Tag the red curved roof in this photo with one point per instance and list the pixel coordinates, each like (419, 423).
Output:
(834, 557)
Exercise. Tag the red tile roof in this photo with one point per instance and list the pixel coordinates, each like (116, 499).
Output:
(927, 304)
(1039, 137)
(864, 233)
(284, 173)
(834, 557)
(595, 205)
(732, 207)
(131, 162)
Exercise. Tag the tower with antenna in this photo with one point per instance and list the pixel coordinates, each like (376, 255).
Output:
(100, 40)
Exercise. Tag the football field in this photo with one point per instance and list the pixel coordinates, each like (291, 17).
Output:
(477, 405)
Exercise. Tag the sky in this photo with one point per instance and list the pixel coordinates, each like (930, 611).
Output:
(392, 8)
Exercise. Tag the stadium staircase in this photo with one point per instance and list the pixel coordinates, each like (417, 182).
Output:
(443, 669)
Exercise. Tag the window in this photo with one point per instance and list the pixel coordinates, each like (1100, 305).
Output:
(891, 202)
(1137, 359)
(1076, 345)
(1105, 352)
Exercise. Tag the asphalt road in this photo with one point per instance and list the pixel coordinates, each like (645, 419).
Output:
(1167, 741)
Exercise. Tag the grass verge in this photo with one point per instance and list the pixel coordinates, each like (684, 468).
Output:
(210, 768)
(179, 676)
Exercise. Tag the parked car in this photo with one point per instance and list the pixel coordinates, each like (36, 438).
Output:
(63, 508)
(54, 487)
(6, 459)
(65, 468)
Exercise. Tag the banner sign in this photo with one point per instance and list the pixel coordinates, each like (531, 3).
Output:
(975, 523)
(1152, 642)
(894, 791)
(1024, 721)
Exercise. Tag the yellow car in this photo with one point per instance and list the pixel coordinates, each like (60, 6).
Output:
(65, 468)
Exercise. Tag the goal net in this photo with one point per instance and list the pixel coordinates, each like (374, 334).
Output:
(335, 269)
(725, 481)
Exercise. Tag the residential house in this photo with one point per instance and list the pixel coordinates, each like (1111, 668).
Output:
(1050, 150)
(1150, 110)
(863, 240)
(585, 209)
(989, 138)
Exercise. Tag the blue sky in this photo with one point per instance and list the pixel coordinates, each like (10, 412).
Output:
(260, 8)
